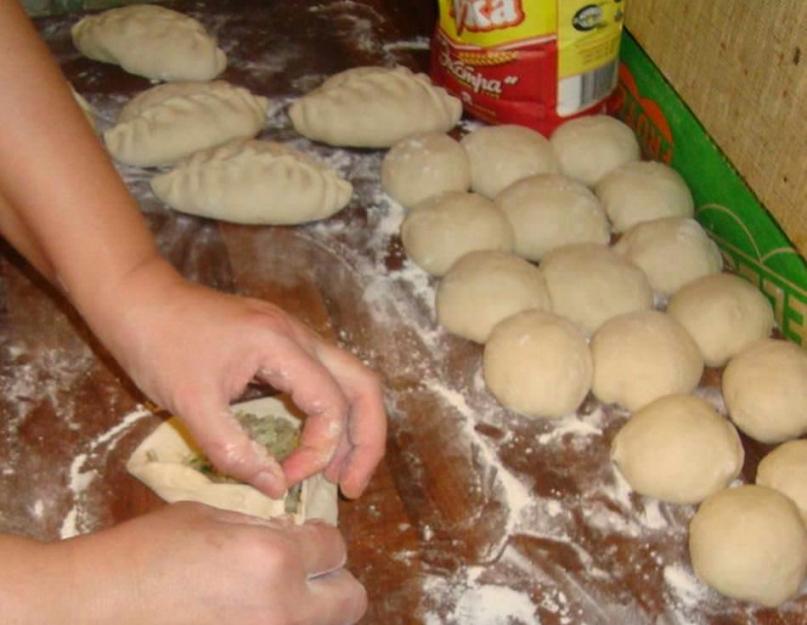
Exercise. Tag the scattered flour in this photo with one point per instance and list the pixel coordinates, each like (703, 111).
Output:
(684, 585)
(78, 520)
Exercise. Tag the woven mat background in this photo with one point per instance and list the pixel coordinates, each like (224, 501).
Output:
(742, 68)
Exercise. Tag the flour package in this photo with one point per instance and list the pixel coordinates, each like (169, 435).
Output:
(531, 62)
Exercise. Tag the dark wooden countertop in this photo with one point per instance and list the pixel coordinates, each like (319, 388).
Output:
(477, 516)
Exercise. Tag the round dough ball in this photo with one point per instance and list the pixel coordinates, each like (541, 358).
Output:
(500, 155)
(723, 313)
(538, 364)
(672, 252)
(423, 166)
(785, 470)
(588, 148)
(548, 211)
(590, 283)
(749, 543)
(641, 356)
(442, 229)
(678, 449)
(642, 191)
(765, 388)
(482, 288)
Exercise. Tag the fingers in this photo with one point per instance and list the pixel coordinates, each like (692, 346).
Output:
(315, 391)
(336, 599)
(354, 464)
(229, 448)
(322, 548)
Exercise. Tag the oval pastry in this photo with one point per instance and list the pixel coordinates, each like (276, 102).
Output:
(168, 122)
(150, 41)
(374, 107)
(253, 182)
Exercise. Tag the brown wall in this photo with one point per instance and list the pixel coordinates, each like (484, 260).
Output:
(741, 65)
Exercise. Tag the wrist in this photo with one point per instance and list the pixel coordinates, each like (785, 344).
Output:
(111, 309)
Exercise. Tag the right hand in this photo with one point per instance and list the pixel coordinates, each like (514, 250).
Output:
(190, 564)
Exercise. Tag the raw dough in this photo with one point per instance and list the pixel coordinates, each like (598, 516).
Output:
(785, 470)
(749, 543)
(672, 252)
(678, 449)
(765, 388)
(160, 462)
(590, 147)
(590, 283)
(723, 313)
(641, 356)
(444, 228)
(643, 191)
(548, 211)
(423, 166)
(538, 364)
(168, 122)
(374, 107)
(482, 288)
(150, 41)
(501, 155)
(253, 182)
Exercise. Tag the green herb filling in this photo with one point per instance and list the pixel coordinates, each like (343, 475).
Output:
(276, 434)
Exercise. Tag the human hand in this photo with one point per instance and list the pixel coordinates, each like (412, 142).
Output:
(189, 564)
(193, 350)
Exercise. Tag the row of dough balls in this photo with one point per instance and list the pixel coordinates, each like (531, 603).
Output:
(430, 174)
(748, 542)
(676, 447)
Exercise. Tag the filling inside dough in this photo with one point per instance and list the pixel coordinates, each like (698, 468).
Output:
(277, 435)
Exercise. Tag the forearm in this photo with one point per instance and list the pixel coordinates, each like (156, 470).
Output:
(70, 212)
(17, 233)
(34, 587)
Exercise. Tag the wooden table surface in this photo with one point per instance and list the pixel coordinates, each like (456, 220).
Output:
(477, 516)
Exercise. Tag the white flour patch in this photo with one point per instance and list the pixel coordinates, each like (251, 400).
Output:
(684, 585)
(573, 425)
(78, 520)
(416, 43)
(495, 605)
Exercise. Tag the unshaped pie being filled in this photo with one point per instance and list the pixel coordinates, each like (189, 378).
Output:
(170, 463)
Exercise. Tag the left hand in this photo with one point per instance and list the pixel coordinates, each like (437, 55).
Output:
(192, 350)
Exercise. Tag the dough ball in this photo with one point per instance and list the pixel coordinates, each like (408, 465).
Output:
(169, 122)
(590, 283)
(538, 364)
(723, 313)
(672, 252)
(643, 191)
(482, 288)
(785, 470)
(150, 41)
(500, 155)
(641, 356)
(444, 228)
(589, 147)
(253, 182)
(374, 107)
(749, 543)
(765, 388)
(423, 166)
(549, 211)
(678, 449)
